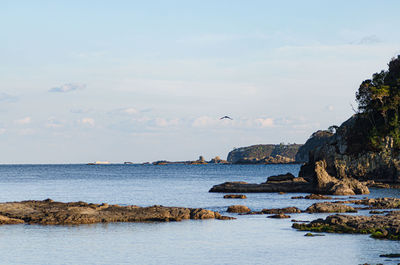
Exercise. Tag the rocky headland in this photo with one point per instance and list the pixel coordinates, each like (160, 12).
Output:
(265, 154)
(49, 212)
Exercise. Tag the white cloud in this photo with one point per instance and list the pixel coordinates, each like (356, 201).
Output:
(23, 121)
(53, 123)
(125, 111)
(161, 122)
(69, 87)
(204, 121)
(87, 121)
(2, 130)
(263, 123)
(4, 97)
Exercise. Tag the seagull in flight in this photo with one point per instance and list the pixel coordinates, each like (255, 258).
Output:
(226, 117)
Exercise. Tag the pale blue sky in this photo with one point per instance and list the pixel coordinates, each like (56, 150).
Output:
(147, 80)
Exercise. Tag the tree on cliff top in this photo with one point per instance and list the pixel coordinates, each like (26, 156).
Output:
(379, 101)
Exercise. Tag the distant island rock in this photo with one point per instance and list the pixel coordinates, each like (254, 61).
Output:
(264, 154)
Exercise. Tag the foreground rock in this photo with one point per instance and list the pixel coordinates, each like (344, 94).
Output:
(48, 212)
(235, 196)
(238, 209)
(327, 207)
(319, 182)
(385, 227)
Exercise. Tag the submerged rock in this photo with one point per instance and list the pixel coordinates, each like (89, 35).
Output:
(48, 212)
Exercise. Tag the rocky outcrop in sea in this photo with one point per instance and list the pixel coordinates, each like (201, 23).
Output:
(344, 157)
(49, 212)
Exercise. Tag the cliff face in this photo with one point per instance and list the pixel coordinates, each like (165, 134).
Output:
(264, 154)
(316, 139)
(346, 155)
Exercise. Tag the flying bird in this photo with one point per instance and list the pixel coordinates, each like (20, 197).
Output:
(226, 117)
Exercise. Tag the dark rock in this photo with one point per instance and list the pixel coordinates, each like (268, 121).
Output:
(379, 203)
(313, 197)
(318, 138)
(238, 209)
(281, 210)
(312, 235)
(347, 155)
(279, 216)
(284, 177)
(328, 207)
(392, 255)
(49, 212)
(235, 196)
(380, 227)
(295, 185)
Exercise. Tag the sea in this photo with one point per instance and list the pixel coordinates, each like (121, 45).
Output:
(250, 239)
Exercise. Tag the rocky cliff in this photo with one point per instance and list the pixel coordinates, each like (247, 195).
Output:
(316, 139)
(264, 154)
(346, 155)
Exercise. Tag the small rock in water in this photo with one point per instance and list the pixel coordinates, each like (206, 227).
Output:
(312, 235)
(238, 209)
(235, 196)
(391, 255)
(279, 216)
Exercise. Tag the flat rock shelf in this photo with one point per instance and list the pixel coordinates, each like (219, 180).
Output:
(49, 212)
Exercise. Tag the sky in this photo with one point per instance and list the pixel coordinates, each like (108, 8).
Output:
(82, 81)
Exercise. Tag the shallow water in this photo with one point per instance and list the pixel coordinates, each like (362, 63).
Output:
(247, 240)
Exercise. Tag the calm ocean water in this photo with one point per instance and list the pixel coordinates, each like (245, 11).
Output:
(247, 240)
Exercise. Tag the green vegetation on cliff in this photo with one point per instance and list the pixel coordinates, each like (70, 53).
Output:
(379, 105)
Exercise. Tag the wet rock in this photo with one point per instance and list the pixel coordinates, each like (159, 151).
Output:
(379, 203)
(381, 227)
(392, 255)
(313, 197)
(317, 181)
(238, 209)
(295, 185)
(235, 196)
(281, 210)
(279, 216)
(327, 207)
(48, 212)
(312, 235)
(283, 177)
